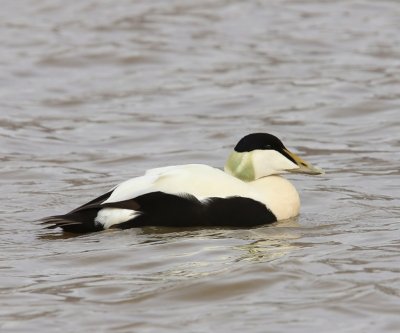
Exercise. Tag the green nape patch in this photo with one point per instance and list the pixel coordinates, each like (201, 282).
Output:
(241, 166)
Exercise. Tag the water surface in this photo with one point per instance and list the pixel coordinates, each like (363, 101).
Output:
(95, 92)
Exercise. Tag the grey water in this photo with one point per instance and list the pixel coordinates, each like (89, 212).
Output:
(95, 92)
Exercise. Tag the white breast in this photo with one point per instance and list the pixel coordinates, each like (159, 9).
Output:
(280, 196)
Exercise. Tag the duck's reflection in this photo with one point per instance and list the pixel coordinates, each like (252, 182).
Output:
(270, 242)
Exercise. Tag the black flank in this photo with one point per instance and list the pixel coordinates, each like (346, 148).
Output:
(168, 210)
(162, 209)
(237, 212)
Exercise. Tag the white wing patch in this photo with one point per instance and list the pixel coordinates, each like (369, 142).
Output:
(108, 217)
(148, 183)
(131, 188)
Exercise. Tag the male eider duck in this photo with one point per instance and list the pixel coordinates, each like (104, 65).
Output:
(250, 192)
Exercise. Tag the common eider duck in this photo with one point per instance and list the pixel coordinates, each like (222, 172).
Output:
(248, 193)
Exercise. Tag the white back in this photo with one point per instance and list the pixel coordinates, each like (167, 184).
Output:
(200, 180)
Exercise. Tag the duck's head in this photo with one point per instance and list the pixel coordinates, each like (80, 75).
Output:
(259, 155)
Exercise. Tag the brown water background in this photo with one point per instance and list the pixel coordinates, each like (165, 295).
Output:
(95, 92)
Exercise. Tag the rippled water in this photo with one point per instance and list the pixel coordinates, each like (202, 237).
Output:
(94, 92)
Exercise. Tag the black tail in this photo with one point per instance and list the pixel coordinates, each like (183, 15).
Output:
(72, 223)
(79, 220)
